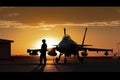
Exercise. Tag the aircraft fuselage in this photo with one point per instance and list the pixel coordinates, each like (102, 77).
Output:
(67, 46)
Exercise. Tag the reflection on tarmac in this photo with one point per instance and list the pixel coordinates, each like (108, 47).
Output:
(39, 68)
(72, 66)
(46, 68)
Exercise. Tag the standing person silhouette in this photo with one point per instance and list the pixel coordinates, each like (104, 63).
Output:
(43, 52)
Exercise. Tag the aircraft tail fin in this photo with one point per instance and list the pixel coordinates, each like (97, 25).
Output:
(84, 36)
(64, 31)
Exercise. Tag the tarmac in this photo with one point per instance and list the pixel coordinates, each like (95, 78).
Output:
(51, 66)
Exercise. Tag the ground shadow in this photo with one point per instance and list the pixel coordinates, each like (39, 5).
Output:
(39, 68)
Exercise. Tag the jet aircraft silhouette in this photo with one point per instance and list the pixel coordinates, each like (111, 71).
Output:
(69, 47)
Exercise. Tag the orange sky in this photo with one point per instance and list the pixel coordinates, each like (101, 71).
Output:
(27, 26)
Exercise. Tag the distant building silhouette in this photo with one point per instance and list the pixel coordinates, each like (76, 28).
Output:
(5, 48)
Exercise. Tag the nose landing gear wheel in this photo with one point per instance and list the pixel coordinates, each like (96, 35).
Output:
(57, 59)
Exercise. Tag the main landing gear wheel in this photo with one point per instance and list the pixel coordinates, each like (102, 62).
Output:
(65, 61)
(82, 60)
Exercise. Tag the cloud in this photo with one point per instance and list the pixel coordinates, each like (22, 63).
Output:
(110, 23)
(13, 15)
(43, 26)
(5, 8)
(15, 24)
(6, 24)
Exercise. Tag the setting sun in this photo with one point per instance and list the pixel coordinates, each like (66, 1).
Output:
(49, 41)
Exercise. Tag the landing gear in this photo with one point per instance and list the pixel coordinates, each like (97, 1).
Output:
(81, 59)
(65, 61)
(56, 60)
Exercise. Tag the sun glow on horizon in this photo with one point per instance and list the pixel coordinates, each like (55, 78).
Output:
(49, 41)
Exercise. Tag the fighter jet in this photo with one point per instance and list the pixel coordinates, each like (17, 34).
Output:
(69, 47)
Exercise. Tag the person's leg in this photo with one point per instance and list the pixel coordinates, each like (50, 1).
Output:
(40, 59)
(45, 59)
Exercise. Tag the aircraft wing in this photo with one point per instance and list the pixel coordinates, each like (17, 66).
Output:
(83, 45)
(97, 49)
